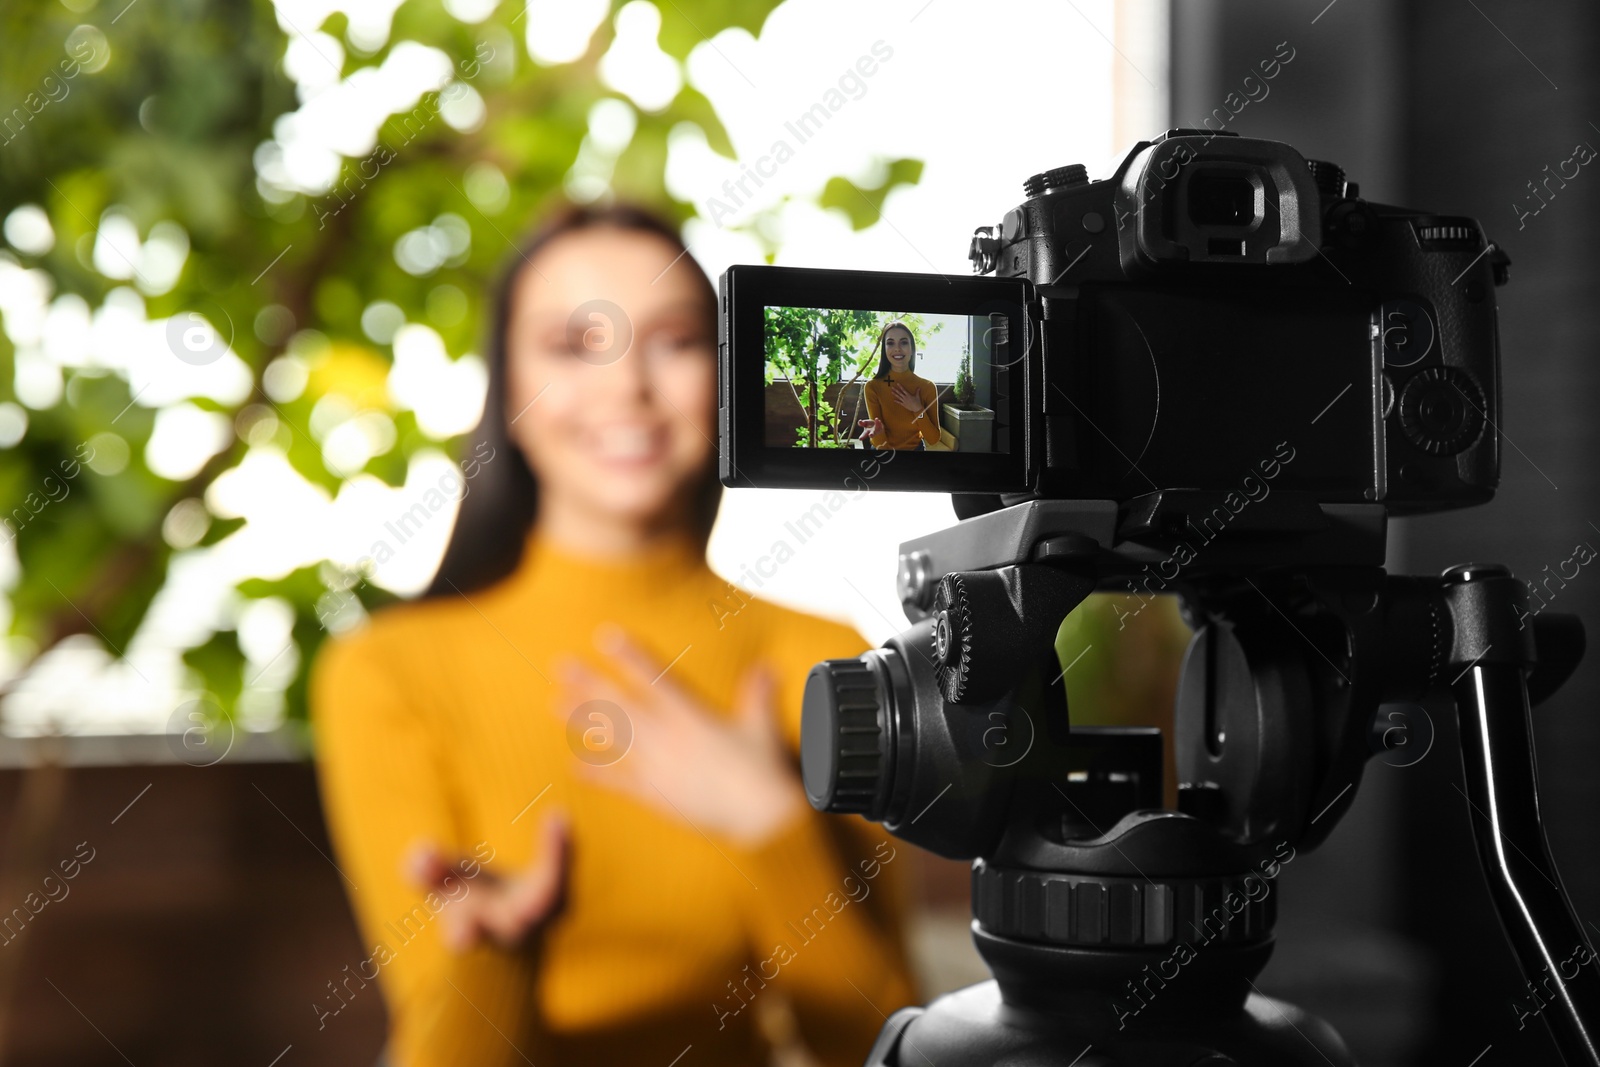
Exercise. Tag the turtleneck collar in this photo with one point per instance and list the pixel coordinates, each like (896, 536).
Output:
(901, 375)
(664, 563)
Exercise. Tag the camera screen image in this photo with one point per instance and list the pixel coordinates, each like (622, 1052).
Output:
(827, 375)
(843, 378)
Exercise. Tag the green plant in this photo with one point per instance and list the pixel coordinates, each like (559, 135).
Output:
(811, 349)
(165, 129)
(963, 390)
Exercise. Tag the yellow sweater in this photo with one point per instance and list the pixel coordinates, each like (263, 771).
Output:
(434, 721)
(905, 428)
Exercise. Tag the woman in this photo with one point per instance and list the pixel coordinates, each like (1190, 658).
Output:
(562, 788)
(902, 408)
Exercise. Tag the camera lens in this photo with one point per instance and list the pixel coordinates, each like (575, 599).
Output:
(1222, 198)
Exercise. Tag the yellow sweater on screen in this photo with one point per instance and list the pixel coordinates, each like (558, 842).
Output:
(905, 428)
(436, 721)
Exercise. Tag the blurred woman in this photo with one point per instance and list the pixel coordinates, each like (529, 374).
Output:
(902, 408)
(562, 787)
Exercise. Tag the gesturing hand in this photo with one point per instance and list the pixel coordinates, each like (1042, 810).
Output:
(872, 428)
(906, 398)
(727, 775)
(506, 908)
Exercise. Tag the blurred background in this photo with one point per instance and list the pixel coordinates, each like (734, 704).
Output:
(246, 248)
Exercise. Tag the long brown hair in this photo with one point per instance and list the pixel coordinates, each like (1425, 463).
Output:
(883, 357)
(502, 500)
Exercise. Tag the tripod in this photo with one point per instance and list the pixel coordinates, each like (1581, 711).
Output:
(1122, 934)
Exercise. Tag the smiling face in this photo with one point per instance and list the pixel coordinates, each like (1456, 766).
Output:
(611, 375)
(898, 346)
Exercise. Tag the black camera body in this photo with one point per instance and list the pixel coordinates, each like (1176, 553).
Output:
(1214, 283)
(1216, 314)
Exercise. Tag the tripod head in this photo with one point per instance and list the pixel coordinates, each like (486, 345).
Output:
(1089, 900)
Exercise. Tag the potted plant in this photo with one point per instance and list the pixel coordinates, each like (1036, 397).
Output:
(971, 424)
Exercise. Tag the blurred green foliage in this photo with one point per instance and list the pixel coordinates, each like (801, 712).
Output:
(168, 128)
(864, 203)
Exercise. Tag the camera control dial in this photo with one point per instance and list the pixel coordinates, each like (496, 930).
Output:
(1441, 410)
(1057, 178)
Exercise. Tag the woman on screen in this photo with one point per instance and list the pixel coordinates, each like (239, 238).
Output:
(562, 787)
(902, 408)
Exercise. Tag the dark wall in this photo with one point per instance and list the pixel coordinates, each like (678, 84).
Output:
(204, 928)
(1453, 107)
(1487, 117)
(1339, 98)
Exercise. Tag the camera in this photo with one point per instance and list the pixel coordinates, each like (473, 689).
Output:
(1214, 373)
(1215, 303)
